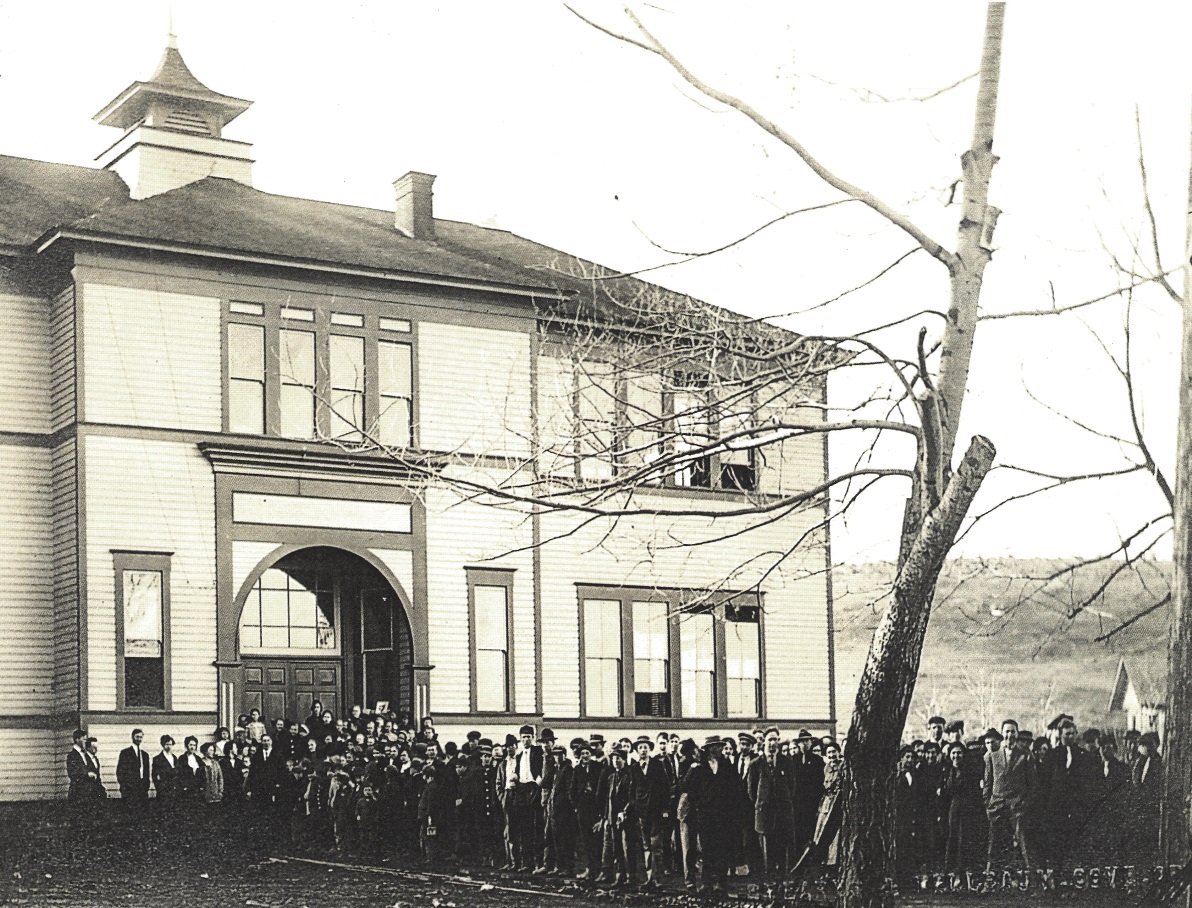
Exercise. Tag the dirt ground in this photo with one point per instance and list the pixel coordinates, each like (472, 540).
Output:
(51, 855)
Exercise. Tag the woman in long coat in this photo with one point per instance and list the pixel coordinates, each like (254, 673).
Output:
(965, 823)
(714, 792)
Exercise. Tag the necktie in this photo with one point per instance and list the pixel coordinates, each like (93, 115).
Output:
(140, 762)
(1068, 760)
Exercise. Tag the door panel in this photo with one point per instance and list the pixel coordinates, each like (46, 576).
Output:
(286, 688)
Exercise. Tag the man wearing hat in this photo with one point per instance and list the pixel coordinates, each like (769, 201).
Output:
(560, 833)
(524, 802)
(587, 787)
(651, 798)
(1009, 782)
(713, 787)
(807, 790)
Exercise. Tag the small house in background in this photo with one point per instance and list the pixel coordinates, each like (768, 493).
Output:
(1139, 698)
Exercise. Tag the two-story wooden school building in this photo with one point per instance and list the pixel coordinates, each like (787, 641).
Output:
(241, 438)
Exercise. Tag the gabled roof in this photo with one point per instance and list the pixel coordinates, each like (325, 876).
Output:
(1147, 673)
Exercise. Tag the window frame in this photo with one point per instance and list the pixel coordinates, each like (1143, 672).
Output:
(581, 461)
(497, 577)
(330, 318)
(679, 602)
(134, 560)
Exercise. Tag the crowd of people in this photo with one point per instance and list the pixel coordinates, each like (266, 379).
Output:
(632, 811)
(1010, 798)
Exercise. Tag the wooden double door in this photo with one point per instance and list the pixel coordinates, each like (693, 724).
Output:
(285, 688)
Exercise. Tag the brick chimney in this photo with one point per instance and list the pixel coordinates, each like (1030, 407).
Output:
(415, 212)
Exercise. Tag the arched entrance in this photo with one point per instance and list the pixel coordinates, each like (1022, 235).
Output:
(324, 624)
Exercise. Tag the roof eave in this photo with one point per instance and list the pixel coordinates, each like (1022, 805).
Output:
(48, 239)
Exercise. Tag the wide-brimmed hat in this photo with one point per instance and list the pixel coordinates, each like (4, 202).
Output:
(526, 730)
(712, 741)
(992, 734)
(643, 739)
(546, 737)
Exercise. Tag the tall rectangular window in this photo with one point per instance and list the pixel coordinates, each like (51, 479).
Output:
(697, 658)
(742, 655)
(297, 371)
(602, 657)
(490, 606)
(692, 435)
(246, 378)
(597, 421)
(644, 421)
(347, 387)
(396, 394)
(142, 593)
(305, 372)
(651, 659)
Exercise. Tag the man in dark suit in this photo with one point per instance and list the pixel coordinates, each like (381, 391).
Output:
(1009, 780)
(165, 773)
(78, 768)
(769, 783)
(651, 797)
(808, 789)
(1069, 772)
(133, 772)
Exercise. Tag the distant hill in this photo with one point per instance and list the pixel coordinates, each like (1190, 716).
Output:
(1002, 641)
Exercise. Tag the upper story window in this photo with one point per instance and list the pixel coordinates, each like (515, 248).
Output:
(598, 421)
(302, 372)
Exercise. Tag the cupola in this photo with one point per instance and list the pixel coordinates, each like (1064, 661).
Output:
(173, 131)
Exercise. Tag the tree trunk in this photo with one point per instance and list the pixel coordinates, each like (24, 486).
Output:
(1177, 749)
(887, 684)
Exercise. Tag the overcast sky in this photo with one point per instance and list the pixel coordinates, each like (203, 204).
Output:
(536, 123)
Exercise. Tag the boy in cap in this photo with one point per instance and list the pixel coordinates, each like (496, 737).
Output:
(524, 802)
(587, 785)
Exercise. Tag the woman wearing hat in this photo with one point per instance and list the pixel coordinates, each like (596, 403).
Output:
(713, 788)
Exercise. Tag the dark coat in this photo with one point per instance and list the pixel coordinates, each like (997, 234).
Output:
(771, 791)
(133, 773)
(192, 781)
(165, 777)
(76, 770)
(587, 783)
(651, 795)
(715, 803)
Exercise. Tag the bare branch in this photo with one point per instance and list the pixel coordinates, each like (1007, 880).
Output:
(652, 44)
(1059, 310)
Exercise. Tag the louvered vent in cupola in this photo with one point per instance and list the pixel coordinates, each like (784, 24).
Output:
(186, 121)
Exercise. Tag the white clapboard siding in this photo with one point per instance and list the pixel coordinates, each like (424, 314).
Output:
(796, 464)
(25, 364)
(26, 586)
(151, 358)
(473, 390)
(644, 553)
(461, 535)
(245, 557)
(62, 359)
(34, 764)
(170, 508)
(65, 574)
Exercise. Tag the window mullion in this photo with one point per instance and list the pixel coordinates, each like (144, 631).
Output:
(322, 328)
(272, 371)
